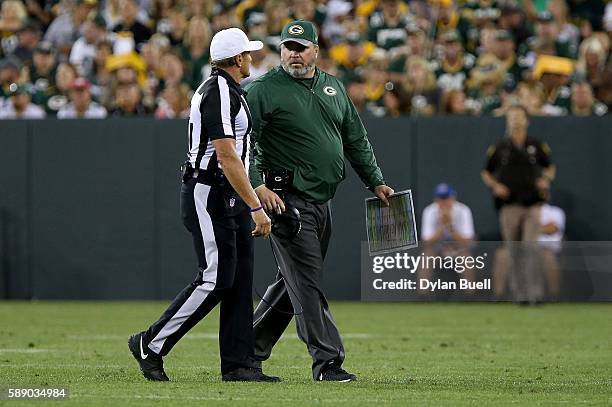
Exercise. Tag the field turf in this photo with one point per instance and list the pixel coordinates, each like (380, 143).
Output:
(405, 354)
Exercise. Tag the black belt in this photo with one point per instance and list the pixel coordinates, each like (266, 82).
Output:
(214, 178)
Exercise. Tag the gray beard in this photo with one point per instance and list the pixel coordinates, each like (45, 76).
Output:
(298, 73)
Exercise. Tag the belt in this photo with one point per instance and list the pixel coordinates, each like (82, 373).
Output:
(214, 178)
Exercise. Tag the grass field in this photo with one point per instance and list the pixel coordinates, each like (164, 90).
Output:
(405, 355)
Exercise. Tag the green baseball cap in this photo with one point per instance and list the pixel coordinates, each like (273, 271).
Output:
(301, 31)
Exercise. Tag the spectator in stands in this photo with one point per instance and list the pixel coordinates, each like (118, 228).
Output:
(261, 62)
(200, 8)
(308, 10)
(172, 69)
(178, 26)
(194, 50)
(449, 18)
(129, 22)
(9, 73)
(84, 50)
(351, 56)
(64, 77)
(100, 77)
(250, 9)
(508, 97)
(223, 17)
(19, 105)
(174, 103)
(81, 106)
(277, 16)
(64, 30)
(531, 97)
(387, 26)
(417, 93)
(592, 65)
(485, 85)
(512, 19)
(13, 16)
(583, 103)
(454, 102)
(28, 39)
(42, 73)
(547, 40)
(567, 31)
(454, 67)
(554, 74)
(128, 101)
(504, 52)
(447, 229)
(519, 171)
(370, 95)
(416, 47)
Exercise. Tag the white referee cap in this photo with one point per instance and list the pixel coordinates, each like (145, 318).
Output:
(231, 42)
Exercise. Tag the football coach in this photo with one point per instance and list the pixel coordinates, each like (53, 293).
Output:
(304, 126)
(218, 206)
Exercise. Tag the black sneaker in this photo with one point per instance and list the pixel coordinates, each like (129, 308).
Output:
(244, 374)
(151, 365)
(336, 374)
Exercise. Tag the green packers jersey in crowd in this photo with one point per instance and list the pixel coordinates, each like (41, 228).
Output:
(308, 127)
(563, 48)
(453, 77)
(386, 36)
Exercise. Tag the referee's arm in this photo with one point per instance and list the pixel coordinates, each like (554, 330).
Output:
(236, 174)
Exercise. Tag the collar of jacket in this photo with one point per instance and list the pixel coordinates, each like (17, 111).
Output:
(228, 77)
(300, 80)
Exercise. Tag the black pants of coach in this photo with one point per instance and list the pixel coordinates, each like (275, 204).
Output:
(221, 228)
(297, 291)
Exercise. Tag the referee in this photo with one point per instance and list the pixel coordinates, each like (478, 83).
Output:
(304, 126)
(217, 204)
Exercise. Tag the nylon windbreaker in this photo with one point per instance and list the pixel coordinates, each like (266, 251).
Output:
(309, 128)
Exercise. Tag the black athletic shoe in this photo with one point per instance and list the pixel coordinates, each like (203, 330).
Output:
(336, 374)
(244, 374)
(151, 365)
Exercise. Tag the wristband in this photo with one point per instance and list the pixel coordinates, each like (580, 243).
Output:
(256, 209)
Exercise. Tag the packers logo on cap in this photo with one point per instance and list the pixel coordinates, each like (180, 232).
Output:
(329, 91)
(295, 30)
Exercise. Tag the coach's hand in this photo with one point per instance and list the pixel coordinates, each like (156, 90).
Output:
(269, 200)
(263, 224)
(383, 192)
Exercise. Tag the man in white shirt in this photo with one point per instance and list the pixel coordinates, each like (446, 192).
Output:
(81, 106)
(447, 228)
(552, 228)
(19, 105)
(83, 51)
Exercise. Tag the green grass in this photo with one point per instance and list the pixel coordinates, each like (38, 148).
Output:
(404, 353)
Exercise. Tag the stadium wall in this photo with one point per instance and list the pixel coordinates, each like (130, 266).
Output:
(90, 210)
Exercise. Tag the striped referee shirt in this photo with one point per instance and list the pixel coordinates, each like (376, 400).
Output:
(218, 110)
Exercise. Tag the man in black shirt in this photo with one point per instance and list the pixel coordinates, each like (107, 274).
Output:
(129, 22)
(519, 171)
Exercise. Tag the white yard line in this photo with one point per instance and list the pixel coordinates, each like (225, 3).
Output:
(211, 336)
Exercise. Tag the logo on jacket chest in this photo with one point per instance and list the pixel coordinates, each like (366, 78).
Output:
(330, 91)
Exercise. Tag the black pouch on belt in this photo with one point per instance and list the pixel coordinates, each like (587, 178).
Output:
(278, 181)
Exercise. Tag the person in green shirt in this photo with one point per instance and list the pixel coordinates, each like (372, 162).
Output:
(304, 126)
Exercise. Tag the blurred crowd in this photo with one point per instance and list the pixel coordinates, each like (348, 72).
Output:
(99, 58)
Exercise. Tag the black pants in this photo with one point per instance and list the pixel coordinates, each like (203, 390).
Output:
(297, 290)
(221, 228)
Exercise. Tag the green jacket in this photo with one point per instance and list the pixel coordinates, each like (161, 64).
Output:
(308, 130)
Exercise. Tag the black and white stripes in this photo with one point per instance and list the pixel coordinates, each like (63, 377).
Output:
(218, 110)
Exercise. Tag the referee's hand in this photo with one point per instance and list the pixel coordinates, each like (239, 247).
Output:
(270, 200)
(263, 224)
